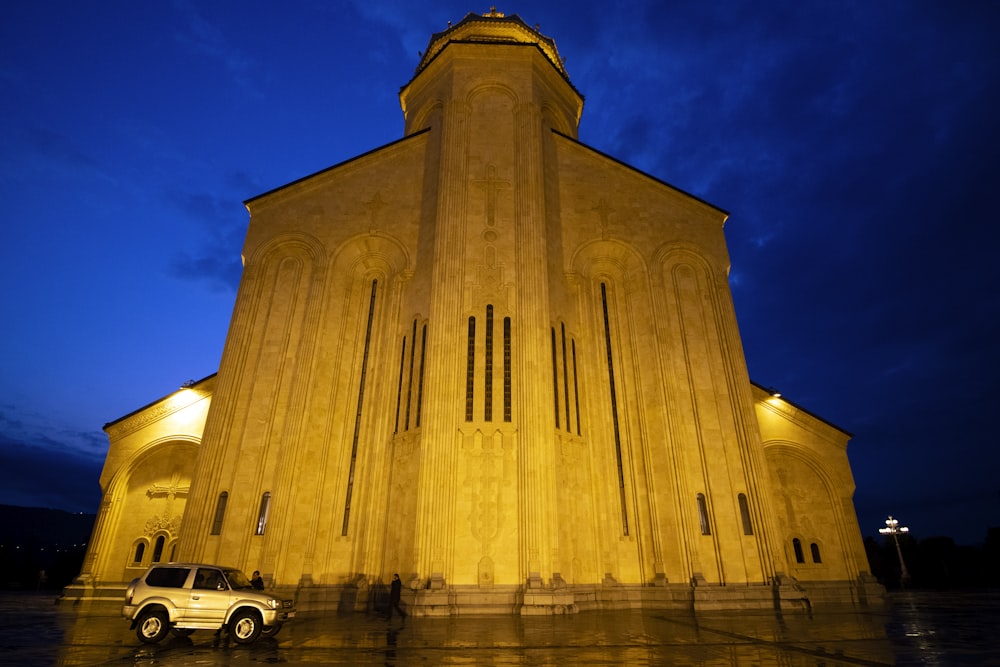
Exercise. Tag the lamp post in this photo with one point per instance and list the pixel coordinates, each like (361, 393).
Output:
(893, 528)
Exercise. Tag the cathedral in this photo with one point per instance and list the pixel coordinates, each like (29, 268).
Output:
(495, 361)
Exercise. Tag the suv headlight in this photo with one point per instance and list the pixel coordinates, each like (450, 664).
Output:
(274, 604)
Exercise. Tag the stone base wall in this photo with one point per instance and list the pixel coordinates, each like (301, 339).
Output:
(530, 601)
(84, 597)
(785, 595)
(865, 592)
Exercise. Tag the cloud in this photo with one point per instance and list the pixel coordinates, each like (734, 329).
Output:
(214, 260)
(207, 39)
(58, 147)
(19, 423)
(211, 267)
(38, 476)
(44, 463)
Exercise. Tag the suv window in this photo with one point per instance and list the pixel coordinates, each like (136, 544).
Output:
(238, 580)
(209, 579)
(167, 577)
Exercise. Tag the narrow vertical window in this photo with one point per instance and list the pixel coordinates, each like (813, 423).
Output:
(488, 389)
(409, 384)
(220, 512)
(470, 371)
(797, 546)
(399, 385)
(576, 389)
(420, 383)
(614, 406)
(814, 548)
(506, 370)
(140, 551)
(158, 548)
(565, 374)
(555, 377)
(265, 506)
(703, 515)
(745, 514)
(358, 412)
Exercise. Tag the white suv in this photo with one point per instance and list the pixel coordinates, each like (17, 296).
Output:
(185, 597)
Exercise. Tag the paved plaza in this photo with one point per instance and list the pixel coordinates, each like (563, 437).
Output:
(917, 628)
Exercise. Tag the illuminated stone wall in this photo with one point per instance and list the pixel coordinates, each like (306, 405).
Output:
(504, 365)
(145, 485)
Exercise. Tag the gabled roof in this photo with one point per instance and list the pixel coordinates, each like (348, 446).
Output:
(307, 177)
(190, 384)
(639, 172)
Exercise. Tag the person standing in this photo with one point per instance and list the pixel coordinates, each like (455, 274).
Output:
(395, 589)
(256, 581)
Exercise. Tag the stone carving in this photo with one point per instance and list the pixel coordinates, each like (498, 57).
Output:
(603, 210)
(484, 483)
(492, 185)
(170, 525)
(374, 207)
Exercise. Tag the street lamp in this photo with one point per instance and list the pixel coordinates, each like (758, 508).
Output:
(893, 528)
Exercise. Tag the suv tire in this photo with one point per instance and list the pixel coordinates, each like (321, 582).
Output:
(270, 630)
(245, 626)
(153, 626)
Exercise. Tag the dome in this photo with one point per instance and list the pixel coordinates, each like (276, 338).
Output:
(492, 27)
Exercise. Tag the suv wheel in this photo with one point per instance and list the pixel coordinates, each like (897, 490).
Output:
(153, 626)
(245, 626)
(270, 630)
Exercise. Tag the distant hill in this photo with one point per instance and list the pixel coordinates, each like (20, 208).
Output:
(41, 549)
(40, 527)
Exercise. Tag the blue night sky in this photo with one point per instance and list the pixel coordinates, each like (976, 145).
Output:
(855, 145)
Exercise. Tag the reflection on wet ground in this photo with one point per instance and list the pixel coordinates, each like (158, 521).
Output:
(916, 628)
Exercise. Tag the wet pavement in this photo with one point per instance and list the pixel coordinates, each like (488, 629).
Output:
(917, 628)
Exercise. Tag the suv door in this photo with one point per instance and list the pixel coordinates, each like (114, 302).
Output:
(209, 596)
(168, 581)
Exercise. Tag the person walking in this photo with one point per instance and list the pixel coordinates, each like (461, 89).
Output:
(395, 589)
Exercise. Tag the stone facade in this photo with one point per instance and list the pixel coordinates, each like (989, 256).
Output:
(498, 362)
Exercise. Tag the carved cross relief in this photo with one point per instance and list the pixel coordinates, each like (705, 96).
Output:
(603, 211)
(492, 185)
(484, 482)
(171, 491)
(489, 286)
(374, 207)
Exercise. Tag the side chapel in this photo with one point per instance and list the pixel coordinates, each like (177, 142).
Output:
(498, 362)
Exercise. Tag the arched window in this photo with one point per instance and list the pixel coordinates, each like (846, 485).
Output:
(814, 548)
(470, 370)
(745, 514)
(506, 370)
(409, 383)
(703, 515)
(797, 545)
(420, 380)
(399, 385)
(265, 505)
(158, 548)
(555, 377)
(220, 512)
(488, 379)
(140, 551)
